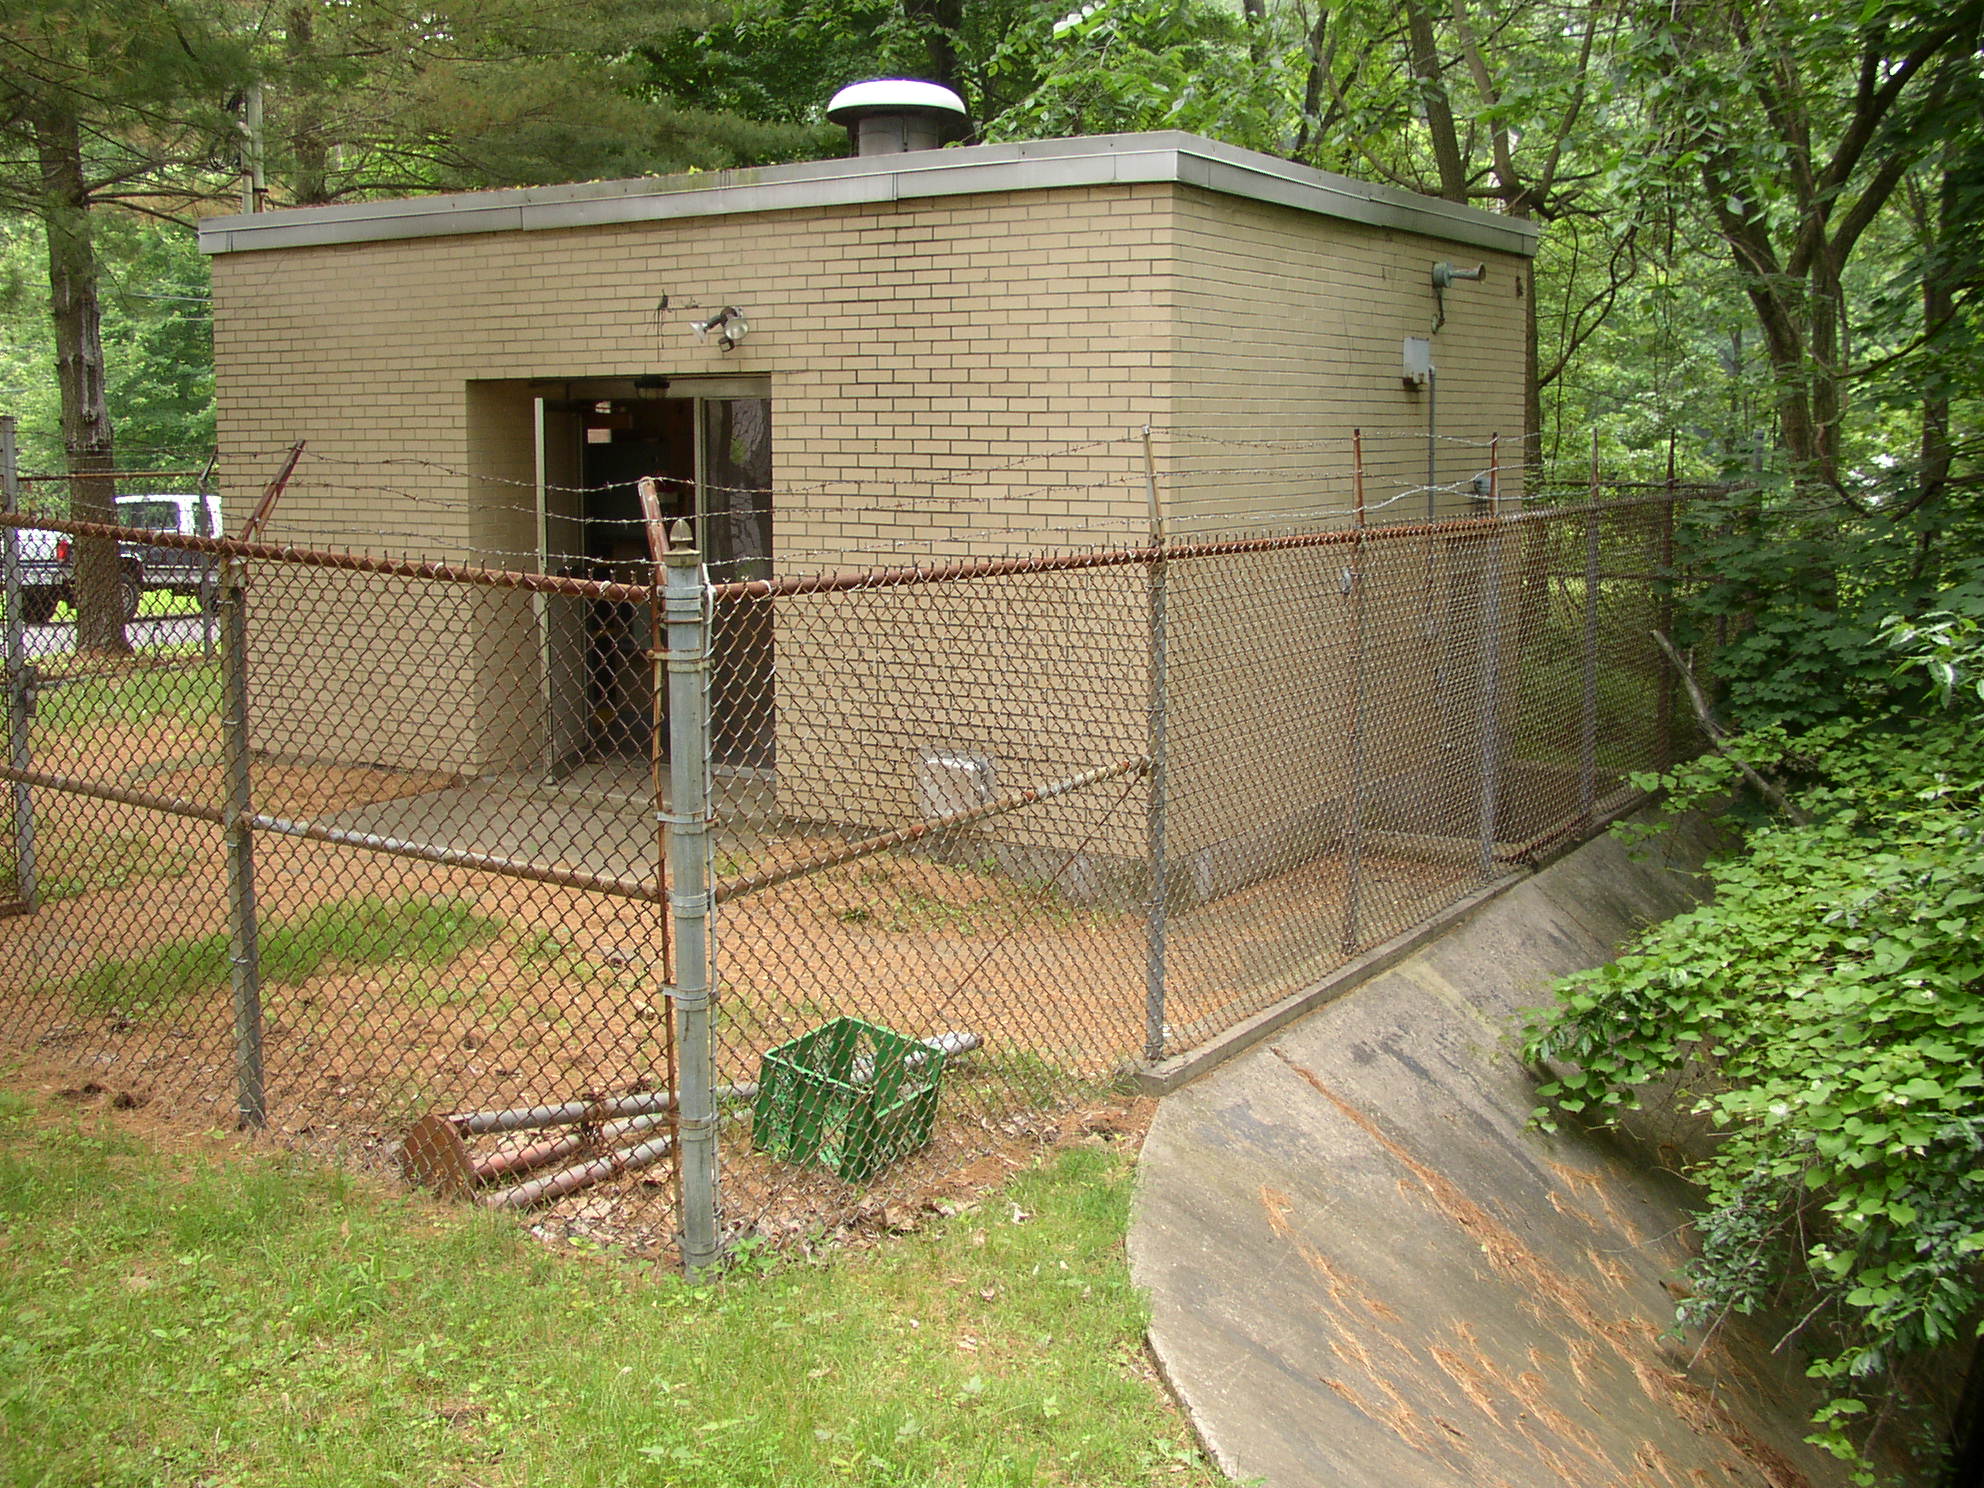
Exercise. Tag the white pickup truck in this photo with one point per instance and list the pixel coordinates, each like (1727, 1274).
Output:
(46, 556)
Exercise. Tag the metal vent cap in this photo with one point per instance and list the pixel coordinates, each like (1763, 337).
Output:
(887, 116)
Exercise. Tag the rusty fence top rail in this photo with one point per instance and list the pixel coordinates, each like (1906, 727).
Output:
(839, 580)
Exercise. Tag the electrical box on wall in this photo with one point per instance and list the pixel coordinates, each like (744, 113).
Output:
(1418, 361)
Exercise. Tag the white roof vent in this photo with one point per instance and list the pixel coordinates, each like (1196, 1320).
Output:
(887, 116)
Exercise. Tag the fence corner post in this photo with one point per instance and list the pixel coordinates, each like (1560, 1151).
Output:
(20, 680)
(243, 926)
(685, 609)
(1156, 778)
(1491, 672)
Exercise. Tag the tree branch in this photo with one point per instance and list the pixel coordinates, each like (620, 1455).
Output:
(1718, 738)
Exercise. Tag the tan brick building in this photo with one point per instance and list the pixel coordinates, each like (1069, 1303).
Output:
(948, 352)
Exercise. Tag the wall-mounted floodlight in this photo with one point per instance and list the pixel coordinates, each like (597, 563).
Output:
(1445, 276)
(728, 325)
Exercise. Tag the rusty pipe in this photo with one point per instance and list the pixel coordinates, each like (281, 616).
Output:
(455, 573)
(558, 1184)
(577, 1112)
(96, 791)
(454, 857)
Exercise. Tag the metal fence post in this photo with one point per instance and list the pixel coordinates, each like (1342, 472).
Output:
(1156, 781)
(685, 602)
(203, 525)
(1491, 670)
(244, 931)
(1588, 719)
(1663, 722)
(1353, 827)
(20, 680)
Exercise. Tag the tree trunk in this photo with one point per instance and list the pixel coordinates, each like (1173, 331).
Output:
(1966, 1469)
(310, 156)
(1433, 95)
(86, 430)
(940, 20)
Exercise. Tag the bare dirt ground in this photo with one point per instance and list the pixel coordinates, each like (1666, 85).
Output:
(561, 997)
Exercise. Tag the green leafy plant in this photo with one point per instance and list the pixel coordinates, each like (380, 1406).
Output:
(1822, 1014)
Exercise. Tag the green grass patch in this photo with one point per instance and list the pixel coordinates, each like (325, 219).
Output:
(153, 604)
(90, 862)
(186, 692)
(251, 1319)
(368, 931)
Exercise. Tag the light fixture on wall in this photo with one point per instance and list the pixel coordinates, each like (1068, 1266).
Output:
(728, 325)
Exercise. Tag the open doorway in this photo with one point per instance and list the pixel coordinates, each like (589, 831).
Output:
(710, 448)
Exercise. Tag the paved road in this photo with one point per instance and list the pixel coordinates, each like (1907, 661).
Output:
(147, 633)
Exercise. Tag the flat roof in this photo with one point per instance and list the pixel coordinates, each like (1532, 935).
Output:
(1035, 165)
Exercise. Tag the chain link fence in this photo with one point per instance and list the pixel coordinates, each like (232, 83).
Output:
(671, 898)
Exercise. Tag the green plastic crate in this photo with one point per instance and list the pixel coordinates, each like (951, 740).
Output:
(847, 1097)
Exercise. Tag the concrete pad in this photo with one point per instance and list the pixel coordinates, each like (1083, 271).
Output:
(1366, 1271)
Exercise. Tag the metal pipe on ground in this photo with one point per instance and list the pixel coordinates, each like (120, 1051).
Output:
(542, 1153)
(609, 1108)
(557, 1185)
(573, 1113)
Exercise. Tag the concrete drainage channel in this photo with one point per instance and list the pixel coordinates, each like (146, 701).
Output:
(1366, 1271)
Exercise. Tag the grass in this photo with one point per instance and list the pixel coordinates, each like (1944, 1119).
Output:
(231, 1319)
(151, 604)
(366, 931)
(91, 861)
(187, 692)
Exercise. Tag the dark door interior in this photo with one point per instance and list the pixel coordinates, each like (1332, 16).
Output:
(626, 440)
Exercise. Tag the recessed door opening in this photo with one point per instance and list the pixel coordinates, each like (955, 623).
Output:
(712, 456)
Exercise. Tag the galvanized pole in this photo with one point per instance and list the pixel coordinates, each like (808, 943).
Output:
(1491, 667)
(1353, 830)
(1432, 444)
(20, 680)
(649, 490)
(1588, 721)
(685, 604)
(204, 526)
(1664, 703)
(1155, 804)
(244, 931)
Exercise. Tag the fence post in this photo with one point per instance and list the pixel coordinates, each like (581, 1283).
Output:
(1156, 779)
(1491, 668)
(20, 680)
(685, 605)
(1588, 716)
(243, 926)
(204, 527)
(1664, 606)
(1353, 829)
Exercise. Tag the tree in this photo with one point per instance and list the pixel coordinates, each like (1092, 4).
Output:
(100, 102)
(384, 96)
(1801, 128)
